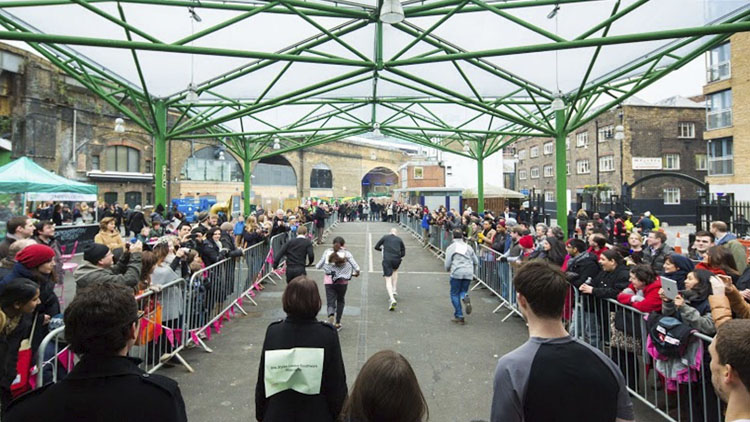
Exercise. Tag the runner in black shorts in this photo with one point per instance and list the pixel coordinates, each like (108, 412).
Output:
(393, 251)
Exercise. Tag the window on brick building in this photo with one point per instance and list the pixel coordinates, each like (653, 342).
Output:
(686, 130)
(582, 139)
(549, 196)
(567, 167)
(719, 113)
(720, 157)
(535, 172)
(321, 177)
(95, 162)
(522, 154)
(147, 169)
(534, 152)
(606, 133)
(521, 174)
(583, 167)
(122, 158)
(701, 162)
(549, 171)
(607, 163)
(671, 161)
(672, 196)
(719, 63)
(549, 148)
(419, 172)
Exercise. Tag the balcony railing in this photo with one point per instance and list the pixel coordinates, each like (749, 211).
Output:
(718, 119)
(719, 71)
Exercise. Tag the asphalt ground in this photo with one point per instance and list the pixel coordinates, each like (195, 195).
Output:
(454, 364)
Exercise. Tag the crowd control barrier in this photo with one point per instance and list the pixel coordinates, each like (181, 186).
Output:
(619, 331)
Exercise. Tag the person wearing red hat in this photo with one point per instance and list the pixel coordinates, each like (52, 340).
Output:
(527, 245)
(37, 263)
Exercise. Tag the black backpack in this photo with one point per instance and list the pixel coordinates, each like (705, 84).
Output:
(669, 335)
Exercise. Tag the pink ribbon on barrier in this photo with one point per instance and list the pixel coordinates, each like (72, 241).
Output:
(208, 333)
(217, 326)
(194, 337)
(178, 335)
(269, 257)
(240, 300)
(66, 359)
(170, 336)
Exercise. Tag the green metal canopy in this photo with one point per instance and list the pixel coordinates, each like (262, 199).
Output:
(465, 76)
(25, 176)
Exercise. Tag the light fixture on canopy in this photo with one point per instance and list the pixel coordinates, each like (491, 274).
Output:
(558, 103)
(619, 133)
(276, 144)
(119, 125)
(467, 148)
(391, 12)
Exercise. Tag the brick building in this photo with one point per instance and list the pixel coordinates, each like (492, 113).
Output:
(417, 174)
(728, 116)
(658, 138)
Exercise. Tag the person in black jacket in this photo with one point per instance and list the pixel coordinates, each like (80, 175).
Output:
(317, 390)
(299, 253)
(393, 251)
(582, 265)
(320, 222)
(18, 300)
(105, 385)
(137, 221)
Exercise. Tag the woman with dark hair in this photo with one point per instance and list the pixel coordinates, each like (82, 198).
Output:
(643, 291)
(57, 215)
(553, 251)
(316, 391)
(614, 277)
(386, 390)
(691, 305)
(211, 249)
(677, 267)
(18, 300)
(339, 266)
(720, 261)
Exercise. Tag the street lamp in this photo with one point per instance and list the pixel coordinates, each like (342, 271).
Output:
(619, 132)
(192, 93)
(392, 12)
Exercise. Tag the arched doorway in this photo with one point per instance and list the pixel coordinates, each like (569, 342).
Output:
(274, 183)
(212, 164)
(379, 181)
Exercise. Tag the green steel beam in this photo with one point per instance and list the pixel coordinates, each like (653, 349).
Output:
(439, 7)
(561, 185)
(160, 155)
(429, 30)
(728, 28)
(225, 24)
(541, 31)
(120, 22)
(480, 176)
(172, 48)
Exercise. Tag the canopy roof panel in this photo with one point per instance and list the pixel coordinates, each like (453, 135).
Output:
(291, 73)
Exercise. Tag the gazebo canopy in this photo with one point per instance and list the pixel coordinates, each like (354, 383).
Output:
(25, 176)
(464, 76)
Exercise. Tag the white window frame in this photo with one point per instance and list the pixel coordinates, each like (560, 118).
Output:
(722, 158)
(671, 161)
(607, 163)
(671, 196)
(419, 170)
(534, 172)
(582, 139)
(549, 170)
(701, 162)
(522, 175)
(549, 196)
(549, 148)
(534, 152)
(686, 130)
(567, 167)
(606, 133)
(717, 118)
(522, 154)
(716, 69)
(583, 167)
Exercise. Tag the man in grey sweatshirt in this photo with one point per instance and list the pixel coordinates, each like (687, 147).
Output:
(460, 260)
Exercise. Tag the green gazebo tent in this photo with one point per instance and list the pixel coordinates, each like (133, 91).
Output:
(39, 184)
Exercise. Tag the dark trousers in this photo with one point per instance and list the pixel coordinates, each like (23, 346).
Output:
(294, 272)
(335, 297)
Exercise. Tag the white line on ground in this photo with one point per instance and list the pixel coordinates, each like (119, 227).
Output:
(369, 246)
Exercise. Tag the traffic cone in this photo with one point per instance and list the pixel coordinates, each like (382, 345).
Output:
(678, 244)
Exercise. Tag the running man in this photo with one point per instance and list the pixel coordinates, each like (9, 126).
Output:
(393, 251)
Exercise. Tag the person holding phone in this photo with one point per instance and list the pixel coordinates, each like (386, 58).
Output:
(691, 305)
(726, 300)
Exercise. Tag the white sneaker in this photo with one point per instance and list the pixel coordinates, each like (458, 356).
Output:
(393, 306)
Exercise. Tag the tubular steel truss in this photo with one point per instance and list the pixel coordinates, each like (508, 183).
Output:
(386, 87)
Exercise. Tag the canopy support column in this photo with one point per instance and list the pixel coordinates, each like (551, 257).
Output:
(561, 172)
(480, 180)
(160, 154)
(247, 184)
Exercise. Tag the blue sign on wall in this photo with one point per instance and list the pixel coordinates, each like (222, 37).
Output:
(525, 191)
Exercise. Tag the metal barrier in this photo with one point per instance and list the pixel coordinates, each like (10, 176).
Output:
(619, 331)
(497, 276)
(159, 336)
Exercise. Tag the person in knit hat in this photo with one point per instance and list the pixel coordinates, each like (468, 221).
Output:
(98, 266)
(527, 245)
(37, 263)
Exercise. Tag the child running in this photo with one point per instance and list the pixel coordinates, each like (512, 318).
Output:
(339, 266)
